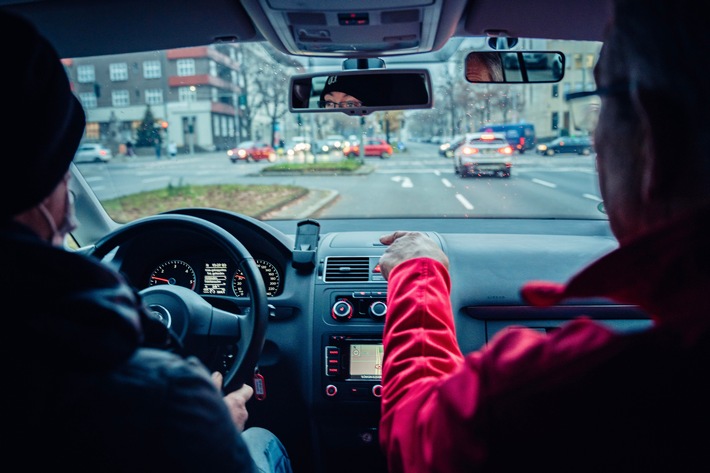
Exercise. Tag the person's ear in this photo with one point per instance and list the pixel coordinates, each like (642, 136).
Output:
(661, 146)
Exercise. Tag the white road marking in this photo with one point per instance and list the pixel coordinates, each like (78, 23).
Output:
(447, 183)
(591, 197)
(464, 202)
(544, 183)
(406, 182)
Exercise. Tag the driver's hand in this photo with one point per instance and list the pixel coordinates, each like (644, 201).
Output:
(403, 246)
(236, 401)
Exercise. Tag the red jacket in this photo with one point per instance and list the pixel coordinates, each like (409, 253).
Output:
(581, 398)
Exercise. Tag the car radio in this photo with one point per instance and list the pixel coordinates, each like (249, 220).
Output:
(353, 367)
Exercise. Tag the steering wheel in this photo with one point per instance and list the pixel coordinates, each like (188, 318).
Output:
(201, 328)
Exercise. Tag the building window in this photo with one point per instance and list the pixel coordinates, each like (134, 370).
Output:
(154, 96)
(589, 61)
(186, 67)
(152, 70)
(556, 90)
(215, 125)
(88, 100)
(118, 71)
(555, 120)
(213, 69)
(187, 94)
(120, 98)
(86, 74)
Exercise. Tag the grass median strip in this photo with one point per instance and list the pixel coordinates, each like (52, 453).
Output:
(252, 200)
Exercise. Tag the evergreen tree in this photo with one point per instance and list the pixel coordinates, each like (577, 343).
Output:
(146, 131)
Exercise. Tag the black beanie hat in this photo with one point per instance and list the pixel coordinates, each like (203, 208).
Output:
(42, 123)
(370, 90)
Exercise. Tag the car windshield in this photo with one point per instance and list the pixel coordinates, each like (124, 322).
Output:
(171, 116)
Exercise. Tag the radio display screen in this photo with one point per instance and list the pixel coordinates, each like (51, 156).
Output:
(366, 361)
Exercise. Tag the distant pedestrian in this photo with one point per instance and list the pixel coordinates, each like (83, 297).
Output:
(158, 146)
(172, 149)
(130, 152)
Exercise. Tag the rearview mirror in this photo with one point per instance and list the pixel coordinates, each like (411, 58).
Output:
(360, 92)
(514, 67)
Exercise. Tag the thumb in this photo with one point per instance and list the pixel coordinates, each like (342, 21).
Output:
(217, 378)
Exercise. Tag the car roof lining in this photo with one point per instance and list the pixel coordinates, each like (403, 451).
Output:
(124, 26)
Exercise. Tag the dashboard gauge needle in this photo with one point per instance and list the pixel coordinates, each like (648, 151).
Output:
(161, 279)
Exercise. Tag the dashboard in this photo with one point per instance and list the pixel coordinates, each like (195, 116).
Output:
(322, 358)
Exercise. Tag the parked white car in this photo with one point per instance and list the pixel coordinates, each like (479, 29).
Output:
(93, 152)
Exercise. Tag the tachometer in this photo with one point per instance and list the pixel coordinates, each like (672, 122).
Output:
(175, 272)
(272, 279)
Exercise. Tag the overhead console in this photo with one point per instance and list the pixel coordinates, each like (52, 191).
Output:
(377, 28)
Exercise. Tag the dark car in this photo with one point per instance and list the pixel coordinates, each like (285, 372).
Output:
(252, 151)
(448, 148)
(373, 147)
(566, 144)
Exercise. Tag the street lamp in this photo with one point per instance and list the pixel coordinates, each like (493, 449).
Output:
(191, 118)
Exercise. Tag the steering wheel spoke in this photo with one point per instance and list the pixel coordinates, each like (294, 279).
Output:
(202, 328)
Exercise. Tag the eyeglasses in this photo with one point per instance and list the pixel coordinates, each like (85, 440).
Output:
(585, 106)
(346, 104)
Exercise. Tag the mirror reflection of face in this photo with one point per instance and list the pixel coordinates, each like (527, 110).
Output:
(336, 99)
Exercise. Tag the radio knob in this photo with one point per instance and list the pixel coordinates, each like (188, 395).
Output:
(331, 390)
(377, 390)
(342, 310)
(378, 309)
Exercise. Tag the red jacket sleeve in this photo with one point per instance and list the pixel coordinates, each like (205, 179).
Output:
(433, 399)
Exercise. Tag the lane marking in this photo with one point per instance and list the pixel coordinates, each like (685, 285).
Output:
(447, 183)
(544, 183)
(406, 182)
(591, 197)
(464, 202)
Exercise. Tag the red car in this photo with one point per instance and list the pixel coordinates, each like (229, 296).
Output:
(252, 151)
(373, 147)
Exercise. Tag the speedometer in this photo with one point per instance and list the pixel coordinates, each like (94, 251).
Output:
(272, 279)
(175, 272)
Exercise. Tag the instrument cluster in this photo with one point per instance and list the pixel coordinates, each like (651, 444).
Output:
(214, 276)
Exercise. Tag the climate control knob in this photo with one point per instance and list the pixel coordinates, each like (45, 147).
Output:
(377, 310)
(342, 310)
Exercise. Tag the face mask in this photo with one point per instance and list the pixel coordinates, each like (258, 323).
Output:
(68, 223)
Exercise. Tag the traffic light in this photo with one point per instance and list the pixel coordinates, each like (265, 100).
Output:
(164, 125)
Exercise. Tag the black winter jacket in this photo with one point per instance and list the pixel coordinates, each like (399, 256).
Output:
(81, 389)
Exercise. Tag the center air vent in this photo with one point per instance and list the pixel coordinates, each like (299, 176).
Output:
(347, 269)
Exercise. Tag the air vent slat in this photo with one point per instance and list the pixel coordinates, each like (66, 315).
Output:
(347, 269)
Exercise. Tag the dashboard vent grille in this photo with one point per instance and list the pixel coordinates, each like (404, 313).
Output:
(347, 269)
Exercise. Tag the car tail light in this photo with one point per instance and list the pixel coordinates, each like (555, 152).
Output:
(488, 136)
(469, 150)
(506, 150)
(242, 153)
